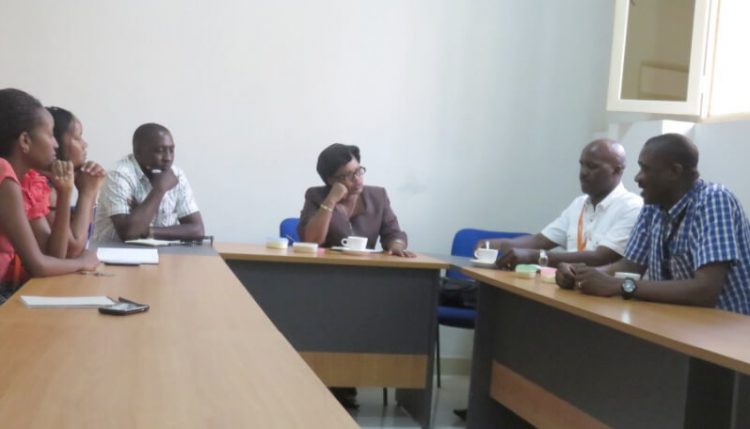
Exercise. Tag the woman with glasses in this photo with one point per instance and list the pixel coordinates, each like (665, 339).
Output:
(346, 207)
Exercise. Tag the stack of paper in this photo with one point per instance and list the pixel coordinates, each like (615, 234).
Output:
(122, 256)
(66, 301)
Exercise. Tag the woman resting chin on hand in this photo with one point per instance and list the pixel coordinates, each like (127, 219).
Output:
(346, 207)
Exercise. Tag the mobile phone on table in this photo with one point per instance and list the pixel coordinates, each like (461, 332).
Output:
(124, 307)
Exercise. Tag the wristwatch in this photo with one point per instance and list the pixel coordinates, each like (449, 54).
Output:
(628, 288)
(543, 258)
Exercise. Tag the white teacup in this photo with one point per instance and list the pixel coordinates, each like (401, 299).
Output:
(355, 243)
(624, 275)
(486, 255)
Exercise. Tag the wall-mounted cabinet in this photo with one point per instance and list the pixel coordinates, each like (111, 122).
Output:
(661, 52)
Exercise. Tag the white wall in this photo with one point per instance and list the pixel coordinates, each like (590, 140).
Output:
(470, 113)
(723, 146)
(457, 106)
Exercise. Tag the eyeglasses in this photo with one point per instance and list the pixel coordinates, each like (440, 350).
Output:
(351, 176)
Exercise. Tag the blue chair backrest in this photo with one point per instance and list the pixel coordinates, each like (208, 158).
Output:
(288, 228)
(465, 239)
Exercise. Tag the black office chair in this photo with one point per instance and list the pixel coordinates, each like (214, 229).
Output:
(462, 317)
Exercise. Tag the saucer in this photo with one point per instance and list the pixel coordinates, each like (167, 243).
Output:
(355, 251)
(483, 264)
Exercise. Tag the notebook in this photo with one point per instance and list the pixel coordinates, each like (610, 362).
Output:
(66, 301)
(123, 256)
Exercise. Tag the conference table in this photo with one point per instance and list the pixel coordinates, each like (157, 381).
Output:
(205, 355)
(557, 358)
(357, 320)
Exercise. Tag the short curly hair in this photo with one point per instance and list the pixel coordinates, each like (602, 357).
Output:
(334, 157)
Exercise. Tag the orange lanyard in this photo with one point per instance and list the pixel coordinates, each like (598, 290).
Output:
(581, 239)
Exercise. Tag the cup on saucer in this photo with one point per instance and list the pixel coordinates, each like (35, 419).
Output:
(354, 243)
(486, 256)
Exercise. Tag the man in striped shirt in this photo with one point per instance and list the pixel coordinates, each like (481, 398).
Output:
(691, 240)
(146, 195)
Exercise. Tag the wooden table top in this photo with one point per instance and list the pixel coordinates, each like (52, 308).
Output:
(204, 355)
(713, 335)
(256, 252)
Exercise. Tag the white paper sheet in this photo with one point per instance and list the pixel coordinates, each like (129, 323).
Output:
(114, 255)
(66, 301)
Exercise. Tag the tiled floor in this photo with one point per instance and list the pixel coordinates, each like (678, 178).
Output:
(371, 414)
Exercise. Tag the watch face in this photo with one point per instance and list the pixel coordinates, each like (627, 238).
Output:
(628, 285)
(543, 258)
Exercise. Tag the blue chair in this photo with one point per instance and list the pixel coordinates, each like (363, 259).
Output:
(288, 228)
(463, 317)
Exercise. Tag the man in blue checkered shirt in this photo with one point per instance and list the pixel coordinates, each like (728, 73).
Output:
(692, 238)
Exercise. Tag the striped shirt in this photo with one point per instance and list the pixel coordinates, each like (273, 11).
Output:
(126, 186)
(707, 225)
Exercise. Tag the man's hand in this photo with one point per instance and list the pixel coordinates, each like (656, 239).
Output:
(132, 203)
(90, 177)
(62, 176)
(594, 282)
(513, 257)
(164, 181)
(500, 244)
(565, 275)
(337, 193)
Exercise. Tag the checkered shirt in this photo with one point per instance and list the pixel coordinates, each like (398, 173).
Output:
(711, 227)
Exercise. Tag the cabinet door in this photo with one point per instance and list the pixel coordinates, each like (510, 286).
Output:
(661, 51)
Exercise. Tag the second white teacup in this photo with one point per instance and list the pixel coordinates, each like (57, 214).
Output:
(355, 243)
(486, 255)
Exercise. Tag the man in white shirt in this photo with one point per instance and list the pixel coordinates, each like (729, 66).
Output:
(146, 196)
(594, 229)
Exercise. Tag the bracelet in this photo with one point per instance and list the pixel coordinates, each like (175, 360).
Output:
(325, 207)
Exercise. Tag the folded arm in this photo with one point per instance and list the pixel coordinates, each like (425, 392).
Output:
(136, 224)
(13, 220)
